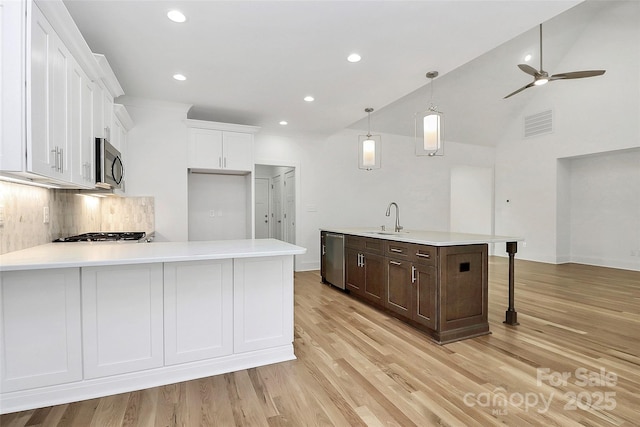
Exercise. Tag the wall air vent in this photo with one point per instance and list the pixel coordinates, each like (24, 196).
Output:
(538, 124)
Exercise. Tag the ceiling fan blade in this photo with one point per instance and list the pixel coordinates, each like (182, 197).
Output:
(577, 74)
(529, 69)
(519, 90)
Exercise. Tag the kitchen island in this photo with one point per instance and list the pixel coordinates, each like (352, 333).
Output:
(435, 281)
(84, 320)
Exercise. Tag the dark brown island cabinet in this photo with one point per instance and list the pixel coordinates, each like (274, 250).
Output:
(441, 290)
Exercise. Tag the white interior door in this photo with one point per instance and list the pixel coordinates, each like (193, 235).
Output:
(290, 206)
(276, 202)
(262, 208)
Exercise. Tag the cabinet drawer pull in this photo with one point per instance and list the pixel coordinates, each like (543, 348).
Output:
(396, 250)
(395, 263)
(421, 255)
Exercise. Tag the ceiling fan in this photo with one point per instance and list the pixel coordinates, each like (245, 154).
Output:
(541, 77)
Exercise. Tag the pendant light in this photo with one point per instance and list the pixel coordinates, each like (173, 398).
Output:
(429, 127)
(369, 147)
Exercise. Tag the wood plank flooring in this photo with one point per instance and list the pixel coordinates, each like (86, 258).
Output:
(359, 367)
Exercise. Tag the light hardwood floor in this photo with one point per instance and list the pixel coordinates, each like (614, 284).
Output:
(357, 366)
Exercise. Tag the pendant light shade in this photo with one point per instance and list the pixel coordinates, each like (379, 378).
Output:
(369, 148)
(429, 127)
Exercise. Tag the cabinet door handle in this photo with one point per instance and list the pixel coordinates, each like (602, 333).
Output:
(219, 161)
(225, 162)
(323, 252)
(421, 255)
(55, 158)
(359, 262)
(396, 250)
(61, 160)
(413, 274)
(395, 263)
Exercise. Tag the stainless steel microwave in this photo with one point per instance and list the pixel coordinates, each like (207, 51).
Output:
(109, 167)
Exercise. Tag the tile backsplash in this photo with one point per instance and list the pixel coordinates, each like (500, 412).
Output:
(22, 215)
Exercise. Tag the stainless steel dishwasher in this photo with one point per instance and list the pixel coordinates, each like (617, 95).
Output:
(334, 258)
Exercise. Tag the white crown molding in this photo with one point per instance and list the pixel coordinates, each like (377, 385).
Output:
(204, 124)
(108, 77)
(122, 114)
(62, 22)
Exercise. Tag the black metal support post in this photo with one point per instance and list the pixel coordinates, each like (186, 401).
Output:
(511, 316)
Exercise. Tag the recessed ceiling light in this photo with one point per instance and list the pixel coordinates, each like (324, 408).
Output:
(179, 77)
(176, 16)
(527, 57)
(309, 98)
(284, 123)
(354, 57)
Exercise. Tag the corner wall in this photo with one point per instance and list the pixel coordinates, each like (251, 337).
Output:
(156, 163)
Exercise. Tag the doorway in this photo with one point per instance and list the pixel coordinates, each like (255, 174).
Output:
(275, 197)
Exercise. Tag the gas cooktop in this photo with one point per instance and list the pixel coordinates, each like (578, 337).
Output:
(109, 236)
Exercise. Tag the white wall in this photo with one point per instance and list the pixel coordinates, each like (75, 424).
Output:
(156, 163)
(605, 209)
(218, 206)
(471, 200)
(592, 115)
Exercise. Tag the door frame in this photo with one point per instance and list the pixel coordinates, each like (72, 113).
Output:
(296, 167)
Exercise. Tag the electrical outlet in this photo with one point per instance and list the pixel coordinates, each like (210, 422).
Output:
(45, 214)
(212, 213)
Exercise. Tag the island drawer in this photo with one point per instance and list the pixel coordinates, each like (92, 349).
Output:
(364, 244)
(424, 254)
(398, 249)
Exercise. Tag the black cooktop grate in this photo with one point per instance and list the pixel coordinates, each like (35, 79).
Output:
(104, 236)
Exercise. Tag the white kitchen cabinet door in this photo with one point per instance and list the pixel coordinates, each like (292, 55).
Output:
(198, 310)
(81, 126)
(205, 149)
(40, 328)
(48, 147)
(122, 326)
(237, 150)
(262, 303)
(220, 150)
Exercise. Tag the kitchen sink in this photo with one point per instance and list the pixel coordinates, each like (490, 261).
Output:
(388, 233)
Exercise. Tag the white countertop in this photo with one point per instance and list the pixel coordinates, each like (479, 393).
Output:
(87, 254)
(423, 237)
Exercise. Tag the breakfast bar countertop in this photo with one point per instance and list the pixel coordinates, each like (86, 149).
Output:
(424, 237)
(88, 254)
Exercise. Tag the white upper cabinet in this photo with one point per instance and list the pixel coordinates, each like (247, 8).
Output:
(48, 143)
(223, 147)
(51, 87)
(81, 91)
(237, 151)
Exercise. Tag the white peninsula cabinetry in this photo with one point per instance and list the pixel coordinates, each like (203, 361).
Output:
(86, 320)
(121, 319)
(40, 329)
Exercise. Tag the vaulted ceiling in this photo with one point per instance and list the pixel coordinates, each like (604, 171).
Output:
(253, 62)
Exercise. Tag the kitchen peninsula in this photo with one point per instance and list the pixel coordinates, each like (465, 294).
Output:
(83, 320)
(435, 281)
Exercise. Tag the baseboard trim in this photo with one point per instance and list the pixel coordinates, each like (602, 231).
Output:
(100, 387)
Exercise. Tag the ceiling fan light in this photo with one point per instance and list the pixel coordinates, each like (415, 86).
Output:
(541, 81)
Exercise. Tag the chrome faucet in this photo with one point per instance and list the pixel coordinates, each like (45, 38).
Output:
(398, 226)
